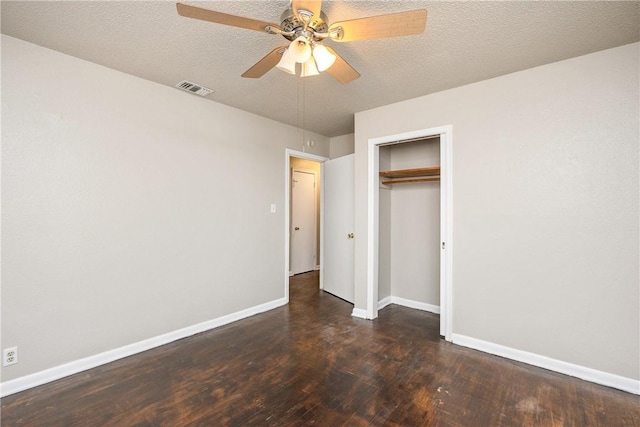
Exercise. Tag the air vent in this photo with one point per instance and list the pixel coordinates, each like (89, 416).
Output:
(194, 88)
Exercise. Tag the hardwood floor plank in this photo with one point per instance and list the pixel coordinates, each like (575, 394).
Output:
(312, 363)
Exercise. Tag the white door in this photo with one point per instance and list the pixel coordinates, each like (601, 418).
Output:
(303, 222)
(339, 257)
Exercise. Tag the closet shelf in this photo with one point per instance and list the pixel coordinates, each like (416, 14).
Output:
(402, 176)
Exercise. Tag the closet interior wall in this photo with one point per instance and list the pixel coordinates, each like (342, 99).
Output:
(409, 226)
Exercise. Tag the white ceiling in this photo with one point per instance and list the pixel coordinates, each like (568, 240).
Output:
(464, 42)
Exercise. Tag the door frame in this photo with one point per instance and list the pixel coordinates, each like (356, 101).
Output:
(287, 209)
(446, 219)
(316, 220)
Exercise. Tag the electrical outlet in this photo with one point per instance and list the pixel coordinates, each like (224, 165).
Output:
(10, 356)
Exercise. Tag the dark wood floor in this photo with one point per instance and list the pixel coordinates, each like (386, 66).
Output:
(311, 363)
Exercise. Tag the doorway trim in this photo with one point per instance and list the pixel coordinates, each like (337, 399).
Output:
(446, 219)
(287, 210)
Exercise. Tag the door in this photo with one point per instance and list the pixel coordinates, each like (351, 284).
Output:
(303, 221)
(339, 247)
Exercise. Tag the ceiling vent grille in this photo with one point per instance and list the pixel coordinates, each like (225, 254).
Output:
(194, 88)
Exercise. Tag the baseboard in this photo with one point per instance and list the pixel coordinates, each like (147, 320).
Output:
(408, 303)
(384, 302)
(358, 312)
(55, 373)
(582, 372)
(317, 268)
(291, 274)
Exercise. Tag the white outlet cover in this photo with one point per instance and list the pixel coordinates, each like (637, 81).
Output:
(9, 356)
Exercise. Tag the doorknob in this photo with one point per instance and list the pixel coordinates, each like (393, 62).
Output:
(350, 236)
(297, 228)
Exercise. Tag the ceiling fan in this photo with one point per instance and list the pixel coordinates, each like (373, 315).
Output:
(306, 26)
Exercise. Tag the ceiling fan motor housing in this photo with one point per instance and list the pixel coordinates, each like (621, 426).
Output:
(293, 27)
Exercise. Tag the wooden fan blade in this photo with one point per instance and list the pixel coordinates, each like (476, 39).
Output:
(223, 18)
(375, 27)
(313, 6)
(341, 70)
(265, 64)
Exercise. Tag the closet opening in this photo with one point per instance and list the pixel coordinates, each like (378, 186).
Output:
(409, 225)
(409, 244)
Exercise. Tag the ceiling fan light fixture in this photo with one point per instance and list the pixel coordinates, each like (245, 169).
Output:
(309, 68)
(287, 63)
(300, 49)
(324, 58)
(306, 24)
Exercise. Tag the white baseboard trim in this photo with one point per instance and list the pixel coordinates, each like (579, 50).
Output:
(384, 302)
(582, 372)
(317, 268)
(61, 371)
(358, 312)
(408, 303)
(416, 304)
(291, 273)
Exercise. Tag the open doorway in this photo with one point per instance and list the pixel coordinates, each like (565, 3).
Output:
(409, 225)
(334, 218)
(303, 214)
(304, 224)
(444, 134)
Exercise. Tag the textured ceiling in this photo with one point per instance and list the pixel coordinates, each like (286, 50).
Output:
(464, 42)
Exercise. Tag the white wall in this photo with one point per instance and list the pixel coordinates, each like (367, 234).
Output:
(546, 206)
(342, 145)
(129, 209)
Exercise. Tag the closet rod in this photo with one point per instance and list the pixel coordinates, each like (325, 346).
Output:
(409, 181)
